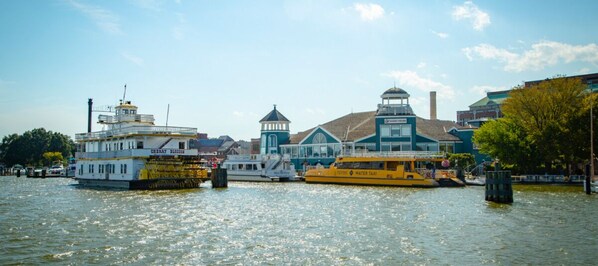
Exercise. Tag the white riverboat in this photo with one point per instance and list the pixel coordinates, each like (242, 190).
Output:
(133, 153)
(260, 167)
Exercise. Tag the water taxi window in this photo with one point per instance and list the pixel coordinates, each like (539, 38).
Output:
(361, 165)
(240, 166)
(139, 144)
(181, 145)
(126, 111)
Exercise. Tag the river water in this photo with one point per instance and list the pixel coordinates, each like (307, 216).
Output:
(53, 221)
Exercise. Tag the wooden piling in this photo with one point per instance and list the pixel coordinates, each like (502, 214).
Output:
(499, 187)
(219, 177)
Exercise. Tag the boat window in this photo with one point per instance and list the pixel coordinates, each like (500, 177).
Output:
(182, 145)
(240, 167)
(361, 165)
(139, 144)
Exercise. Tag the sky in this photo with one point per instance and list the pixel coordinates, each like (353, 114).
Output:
(222, 65)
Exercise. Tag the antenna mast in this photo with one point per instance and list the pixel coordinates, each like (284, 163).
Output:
(167, 114)
(125, 93)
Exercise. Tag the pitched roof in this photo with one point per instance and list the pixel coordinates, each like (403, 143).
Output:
(274, 116)
(495, 97)
(437, 129)
(349, 127)
(355, 126)
(210, 142)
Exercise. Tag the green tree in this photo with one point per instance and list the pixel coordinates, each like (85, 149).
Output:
(463, 160)
(52, 157)
(544, 124)
(7, 153)
(30, 147)
(503, 139)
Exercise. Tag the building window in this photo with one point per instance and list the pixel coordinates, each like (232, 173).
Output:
(272, 141)
(446, 147)
(395, 146)
(395, 130)
(319, 139)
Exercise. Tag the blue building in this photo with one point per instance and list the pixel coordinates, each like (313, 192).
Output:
(392, 127)
(275, 132)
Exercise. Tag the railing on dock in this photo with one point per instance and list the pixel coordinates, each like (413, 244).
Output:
(398, 154)
(549, 179)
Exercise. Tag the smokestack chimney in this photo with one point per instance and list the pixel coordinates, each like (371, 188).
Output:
(89, 104)
(433, 105)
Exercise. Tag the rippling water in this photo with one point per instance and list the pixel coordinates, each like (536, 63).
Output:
(52, 221)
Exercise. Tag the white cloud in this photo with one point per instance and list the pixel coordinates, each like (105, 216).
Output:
(483, 89)
(413, 80)
(104, 19)
(584, 70)
(542, 54)
(470, 11)
(421, 65)
(369, 11)
(133, 59)
(440, 35)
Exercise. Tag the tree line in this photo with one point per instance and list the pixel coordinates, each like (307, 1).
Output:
(37, 147)
(545, 128)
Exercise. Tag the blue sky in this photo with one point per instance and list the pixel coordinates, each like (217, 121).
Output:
(221, 65)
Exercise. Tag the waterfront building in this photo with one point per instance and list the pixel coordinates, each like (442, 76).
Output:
(275, 132)
(489, 107)
(392, 127)
(214, 148)
(483, 110)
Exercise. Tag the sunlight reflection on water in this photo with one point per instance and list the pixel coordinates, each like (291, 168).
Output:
(52, 221)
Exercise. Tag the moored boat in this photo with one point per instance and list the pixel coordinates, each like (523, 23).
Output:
(133, 153)
(260, 168)
(412, 169)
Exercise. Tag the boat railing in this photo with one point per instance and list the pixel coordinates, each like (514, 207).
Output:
(399, 154)
(436, 173)
(136, 153)
(109, 119)
(142, 130)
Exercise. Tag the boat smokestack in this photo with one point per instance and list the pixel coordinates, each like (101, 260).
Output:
(433, 105)
(89, 104)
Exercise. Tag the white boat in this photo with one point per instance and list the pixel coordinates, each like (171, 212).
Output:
(260, 167)
(133, 153)
(56, 170)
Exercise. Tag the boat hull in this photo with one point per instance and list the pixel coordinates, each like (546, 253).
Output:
(256, 178)
(147, 184)
(399, 182)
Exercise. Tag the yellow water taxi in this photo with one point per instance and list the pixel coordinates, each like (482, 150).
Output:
(416, 169)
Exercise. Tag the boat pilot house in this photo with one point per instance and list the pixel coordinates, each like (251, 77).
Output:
(392, 127)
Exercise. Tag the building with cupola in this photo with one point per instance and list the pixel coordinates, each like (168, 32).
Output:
(393, 126)
(275, 132)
